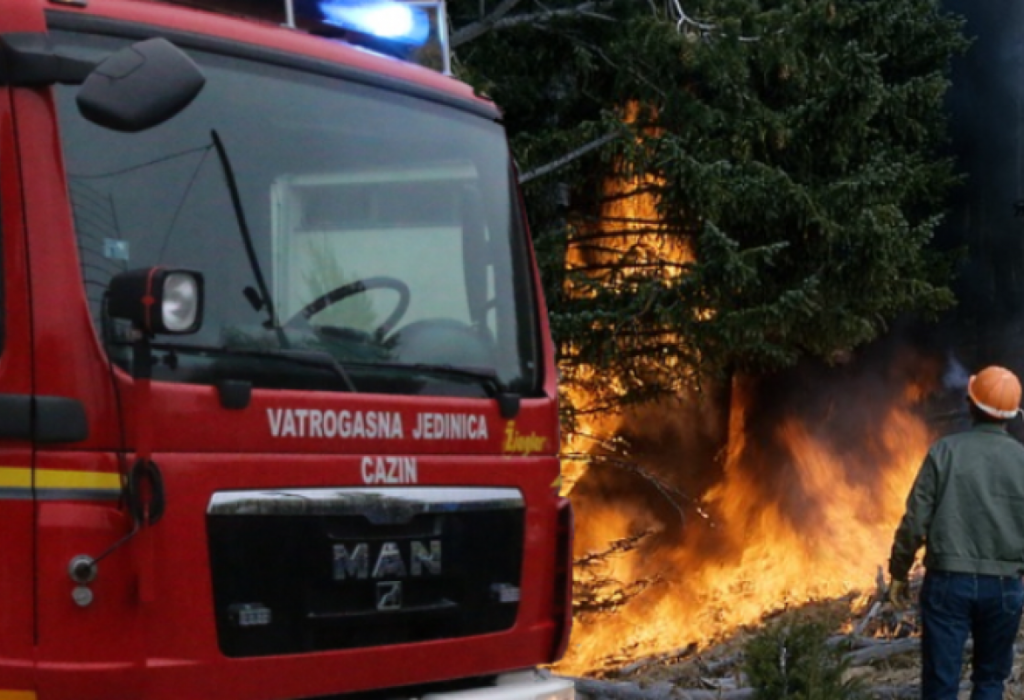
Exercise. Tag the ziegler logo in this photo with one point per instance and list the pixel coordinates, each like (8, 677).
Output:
(354, 561)
(520, 443)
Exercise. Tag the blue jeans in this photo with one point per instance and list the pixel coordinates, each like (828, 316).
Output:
(955, 605)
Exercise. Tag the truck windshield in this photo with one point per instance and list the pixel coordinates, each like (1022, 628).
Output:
(385, 227)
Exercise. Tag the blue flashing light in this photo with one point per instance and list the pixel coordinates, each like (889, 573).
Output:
(392, 21)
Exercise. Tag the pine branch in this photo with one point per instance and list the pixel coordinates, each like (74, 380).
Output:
(568, 157)
(498, 20)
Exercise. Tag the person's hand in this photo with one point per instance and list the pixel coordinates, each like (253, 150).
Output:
(898, 595)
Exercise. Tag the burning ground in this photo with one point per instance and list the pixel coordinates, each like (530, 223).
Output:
(699, 519)
(873, 648)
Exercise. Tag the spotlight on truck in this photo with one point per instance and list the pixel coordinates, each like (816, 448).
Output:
(158, 300)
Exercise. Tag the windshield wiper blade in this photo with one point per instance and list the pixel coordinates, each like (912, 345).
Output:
(309, 358)
(250, 249)
(508, 402)
(486, 378)
(320, 358)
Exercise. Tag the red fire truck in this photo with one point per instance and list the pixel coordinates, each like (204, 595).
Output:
(277, 397)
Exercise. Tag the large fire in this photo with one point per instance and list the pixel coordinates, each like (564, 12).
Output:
(742, 503)
(798, 511)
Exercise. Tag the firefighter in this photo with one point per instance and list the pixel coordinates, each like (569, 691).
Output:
(966, 508)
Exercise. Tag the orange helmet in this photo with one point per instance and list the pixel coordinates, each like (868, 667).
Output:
(995, 391)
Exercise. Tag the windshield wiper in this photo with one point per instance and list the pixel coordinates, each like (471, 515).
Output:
(487, 379)
(308, 358)
(508, 401)
(264, 298)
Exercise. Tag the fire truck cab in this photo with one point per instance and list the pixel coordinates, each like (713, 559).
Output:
(277, 394)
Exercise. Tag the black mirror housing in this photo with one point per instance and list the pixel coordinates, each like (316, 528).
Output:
(140, 86)
(158, 300)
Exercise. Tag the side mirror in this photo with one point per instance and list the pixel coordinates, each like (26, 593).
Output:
(140, 86)
(158, 300)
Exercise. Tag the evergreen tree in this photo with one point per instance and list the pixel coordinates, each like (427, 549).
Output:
(722, 185)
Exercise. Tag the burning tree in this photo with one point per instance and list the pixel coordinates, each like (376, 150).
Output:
(722, 191)
(763, 181)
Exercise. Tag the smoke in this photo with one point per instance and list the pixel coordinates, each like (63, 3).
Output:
(956, 376)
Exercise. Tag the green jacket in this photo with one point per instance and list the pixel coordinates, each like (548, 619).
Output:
(966, 507)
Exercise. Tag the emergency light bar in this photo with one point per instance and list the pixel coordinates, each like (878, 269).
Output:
(393, 21)
(411, 30)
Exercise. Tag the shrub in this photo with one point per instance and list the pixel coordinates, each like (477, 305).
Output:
(794, 661)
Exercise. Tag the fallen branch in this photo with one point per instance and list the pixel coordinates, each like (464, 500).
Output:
(874, 610)
(660, 691)
(720, 663)
(882, 650)
(656, 659)
(620, 690)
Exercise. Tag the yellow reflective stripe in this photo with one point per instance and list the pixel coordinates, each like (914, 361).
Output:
(21, 477)
(65, 479)
(15, 478)
(17, 694)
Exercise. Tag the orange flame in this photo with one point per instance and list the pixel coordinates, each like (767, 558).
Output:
(809, 518)
(778, 536)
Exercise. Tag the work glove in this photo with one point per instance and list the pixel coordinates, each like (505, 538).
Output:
(898, 594)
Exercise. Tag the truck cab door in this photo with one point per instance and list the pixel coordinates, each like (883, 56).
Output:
(73, 635)
(17, 483)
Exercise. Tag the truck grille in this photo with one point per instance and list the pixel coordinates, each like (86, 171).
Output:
(303, 570)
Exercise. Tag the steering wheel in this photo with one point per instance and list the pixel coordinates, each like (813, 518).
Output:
(358, 287)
